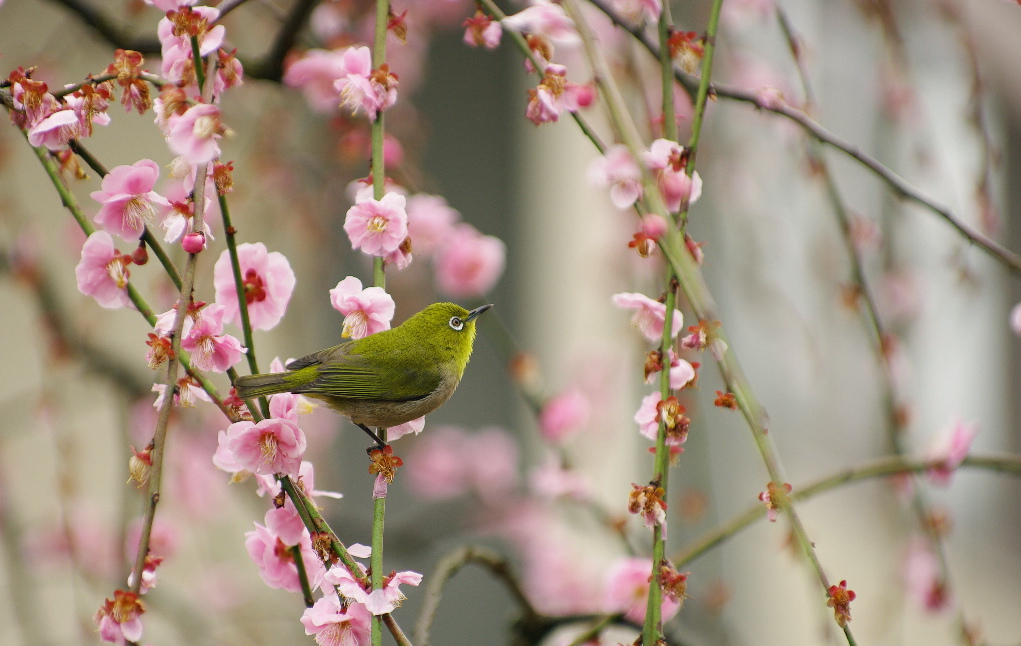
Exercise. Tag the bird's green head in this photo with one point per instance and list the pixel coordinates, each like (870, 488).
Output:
(448, 329)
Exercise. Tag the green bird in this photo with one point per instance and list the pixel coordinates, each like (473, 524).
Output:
(387, 378)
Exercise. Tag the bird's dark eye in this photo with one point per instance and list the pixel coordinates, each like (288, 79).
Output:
(456, 323)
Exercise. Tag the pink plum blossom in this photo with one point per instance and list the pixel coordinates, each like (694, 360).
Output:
(469, 263)
(377, 227)
(552, 479)
(667, 160)
(211, 349)
(430, 221)
(268, 283)
(482, 31)
(379, 601)
(336, 625)
(618, 170)
(647, 416)
(176, 49)
(271, 446)
(649, 316)
(193, 135)
(547, 19)
(563, 415)
(950, 448)
(74, 121)
(627, 590)
(118, 618)
(187, 392)
(638, 11)
(128, 200)
(314, 74)
(366, 311)
(554, 94)
(448, 462)
(681, 372)
(275, 560)
(102, 272)
(363, 89)
(412, 427)
(922, 578)
(285, 523)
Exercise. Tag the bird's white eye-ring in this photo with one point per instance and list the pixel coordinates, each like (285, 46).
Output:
(456, 323)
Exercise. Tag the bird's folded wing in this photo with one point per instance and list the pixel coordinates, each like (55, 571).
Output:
(343, 375)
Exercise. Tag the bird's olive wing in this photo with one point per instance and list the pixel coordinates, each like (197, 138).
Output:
(352, 376)
(314, 358)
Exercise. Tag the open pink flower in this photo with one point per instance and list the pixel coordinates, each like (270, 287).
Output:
(379, 601)
(647, 416)
(482, 31)
(118, 618)
(334, 624)
(650, 315)
(271, 446)
(315, 73)
(275, 559)
(377, 227)
(554, 94)
(627, 590)
(176, 54)
(469, 263)
(363, 89)
(667, 160)
(546, 19)
(129, 201)
(638, 11)
(210, 348)
(681, 372)
(951, 447)
(563, 415)
(268, 283)
(618, 170)
(193, 135)
(430, 221)
(102, 272)
(366, 311)
(74, 121)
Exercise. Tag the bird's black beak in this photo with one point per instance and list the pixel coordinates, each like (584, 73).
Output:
(475, 312)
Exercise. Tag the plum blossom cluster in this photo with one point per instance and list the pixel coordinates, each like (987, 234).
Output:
(666, 160)
(344, 78)
(466, 263)
(53, 122)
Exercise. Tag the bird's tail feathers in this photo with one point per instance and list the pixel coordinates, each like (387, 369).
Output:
(252, 386)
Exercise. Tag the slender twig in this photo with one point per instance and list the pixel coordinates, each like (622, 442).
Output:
(448, 567)
(881, 468)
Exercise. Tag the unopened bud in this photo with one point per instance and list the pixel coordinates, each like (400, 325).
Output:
(194, 242)
(140, 256)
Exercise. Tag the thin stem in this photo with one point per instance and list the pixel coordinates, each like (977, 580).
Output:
(881, 468)
(448, 566)
(299, 563)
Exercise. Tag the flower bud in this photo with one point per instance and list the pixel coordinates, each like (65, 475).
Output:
(194, 242)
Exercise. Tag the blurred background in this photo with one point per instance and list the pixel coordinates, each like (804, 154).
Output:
(930, 88)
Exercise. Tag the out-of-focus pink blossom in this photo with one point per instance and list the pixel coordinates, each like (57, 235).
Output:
(315, 73)
(647, 416)
(413, 427)
(482, 31)
(618, 170)
(627, 590)
(188, 391)
(334, 624)
(950, 449)
(667, 160)
(922, 578)
(377, 227)
(1015, 319)
(638, 11)
(430, 221)
(163, 539)
(129, 201)
(551, 479)
(210, 348)
(102, 272)
(650, 315)
(563, 415)
(366, 311)
(194, 134)
(547, 19)
(268, 282)
(448, 462)
(469, 264)
(271, 446)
